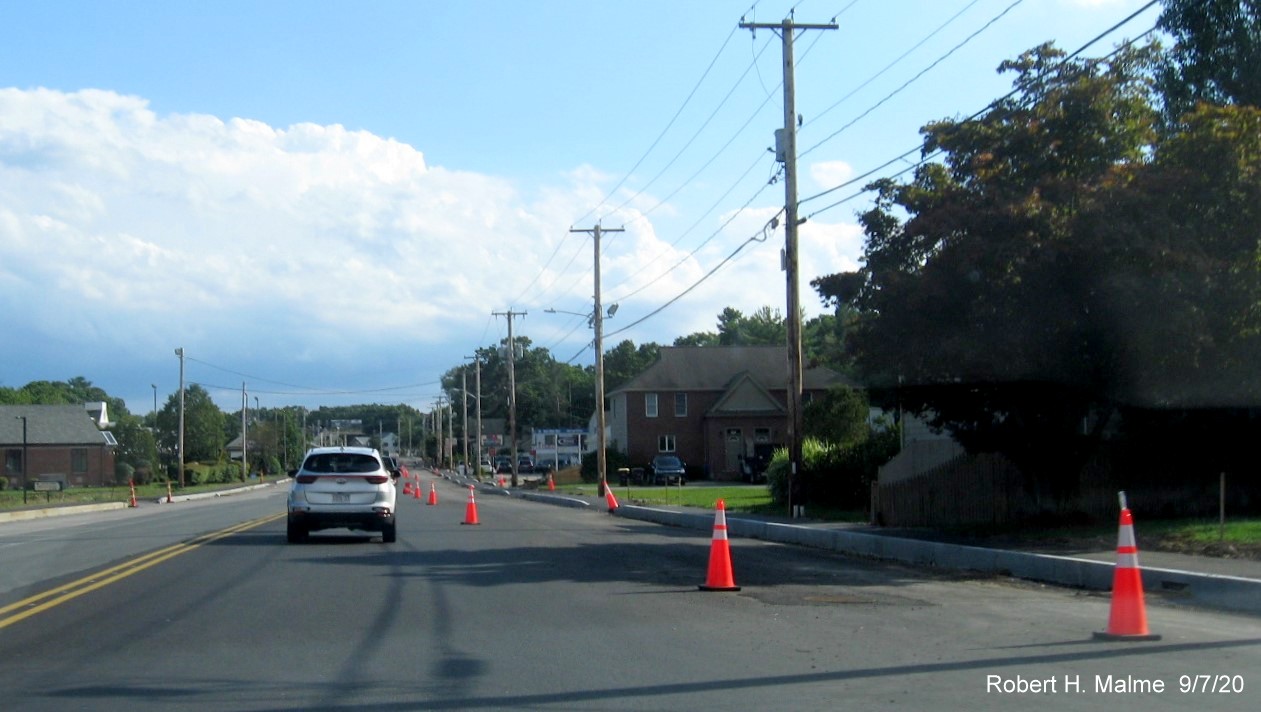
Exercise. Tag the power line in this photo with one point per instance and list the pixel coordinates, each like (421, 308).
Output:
(993, 104)
(913, 79)
(890, 65)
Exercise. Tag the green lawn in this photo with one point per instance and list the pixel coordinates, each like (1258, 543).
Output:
(12, 499)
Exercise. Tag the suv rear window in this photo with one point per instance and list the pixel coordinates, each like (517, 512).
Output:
(338, 462)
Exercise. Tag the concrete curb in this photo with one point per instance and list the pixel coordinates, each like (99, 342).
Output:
(1209, 590)
(212, 495)
(29, 514)
(555, 499)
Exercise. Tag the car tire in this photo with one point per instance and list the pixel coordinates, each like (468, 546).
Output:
(389, 533)
(295, 534)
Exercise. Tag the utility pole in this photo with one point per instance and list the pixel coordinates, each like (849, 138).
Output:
(477, 444)
(179, 445)
(597, 322)
(464, 426)
(786, 152)
(512, 389)
(245, 406)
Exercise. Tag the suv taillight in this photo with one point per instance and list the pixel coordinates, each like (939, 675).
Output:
(377, 479)
(306, 479)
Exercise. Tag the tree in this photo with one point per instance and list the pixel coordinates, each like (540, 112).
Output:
(203, 425)
(839, 416)
(625, 361)
(1216, 57)
(972, 307)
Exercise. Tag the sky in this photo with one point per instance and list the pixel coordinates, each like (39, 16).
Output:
(328, 201)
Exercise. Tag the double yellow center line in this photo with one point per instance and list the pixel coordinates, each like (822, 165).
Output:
(27, 607)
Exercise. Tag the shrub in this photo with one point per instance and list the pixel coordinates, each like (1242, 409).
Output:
(833, 475)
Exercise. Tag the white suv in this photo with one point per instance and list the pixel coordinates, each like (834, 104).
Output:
(342, 487)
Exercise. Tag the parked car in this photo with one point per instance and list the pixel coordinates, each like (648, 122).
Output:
(525, 464)
(342, 488)
(486, 467)
(667, 470)
(503, 464)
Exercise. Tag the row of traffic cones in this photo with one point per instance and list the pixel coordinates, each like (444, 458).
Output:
(1127, 618)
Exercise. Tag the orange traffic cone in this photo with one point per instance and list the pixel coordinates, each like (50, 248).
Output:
(132, 502)
(470, 510)
(720, 577)
(501, 481)
(551, 485)
(416, 488)
(433, 494)
(1128, 618)
(609, 499)
(407, 487)
(168, 492)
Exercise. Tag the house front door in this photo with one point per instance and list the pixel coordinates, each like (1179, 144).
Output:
(733, 449)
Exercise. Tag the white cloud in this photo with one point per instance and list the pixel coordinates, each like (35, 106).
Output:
(828, 174)
(124, 229)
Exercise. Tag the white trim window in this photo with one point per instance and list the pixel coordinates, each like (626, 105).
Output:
(680, 405)
(650, 405)
(665, 443)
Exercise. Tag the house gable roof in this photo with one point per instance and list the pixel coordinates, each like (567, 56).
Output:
(714, 368)
(746, 396)
(49, 425)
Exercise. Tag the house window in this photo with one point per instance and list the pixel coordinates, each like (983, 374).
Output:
(13, 462)
(680, 405)
(650, 405)
(761, 435)
(79, 461)
(665, 443)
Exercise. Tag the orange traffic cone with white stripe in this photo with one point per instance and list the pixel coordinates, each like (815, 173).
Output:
(609, 499)
(433, 495)
(470, 509)
(551, 484)
(416, 488)
(1128, 618)
(132, 501)
(720, 577)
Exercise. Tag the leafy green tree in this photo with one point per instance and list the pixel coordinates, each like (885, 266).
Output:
(204, 437)
(1216, 56)
(625, 361)
(839, 416)
(973, 304)
(137, 447)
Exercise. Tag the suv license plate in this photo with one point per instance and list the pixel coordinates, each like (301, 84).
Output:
(341, 497)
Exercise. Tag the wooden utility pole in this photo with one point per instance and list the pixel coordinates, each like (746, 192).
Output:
(597, 322)
(179, 445)
(512, 389)
(786, 152)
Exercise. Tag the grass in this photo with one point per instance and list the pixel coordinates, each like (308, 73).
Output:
(12, 499)
(745, 499)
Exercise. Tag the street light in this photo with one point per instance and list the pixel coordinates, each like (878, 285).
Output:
(23, 419)
(595, 320)
(590, 317)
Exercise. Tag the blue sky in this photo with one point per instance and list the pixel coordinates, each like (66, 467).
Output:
(328, 200)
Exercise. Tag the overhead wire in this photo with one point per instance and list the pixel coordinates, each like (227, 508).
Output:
(912, 80)
(891, 65)
(647, 152)
(993, 104)
(925, 158)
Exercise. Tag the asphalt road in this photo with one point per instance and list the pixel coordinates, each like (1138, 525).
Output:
(203, 606)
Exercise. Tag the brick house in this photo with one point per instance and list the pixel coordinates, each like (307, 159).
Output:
(709, 405)
(63, 442)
